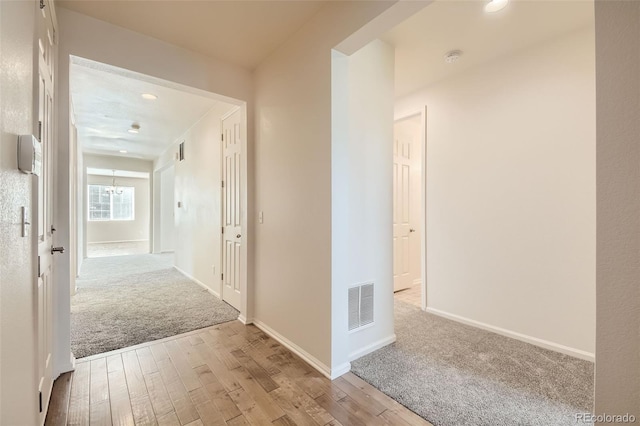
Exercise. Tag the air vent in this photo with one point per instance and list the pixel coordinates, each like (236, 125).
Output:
(360, 306)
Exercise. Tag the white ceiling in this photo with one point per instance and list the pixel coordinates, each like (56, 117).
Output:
(239, 32)
(422, 41)
(107, 101)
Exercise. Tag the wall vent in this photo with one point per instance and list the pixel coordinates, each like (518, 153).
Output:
(360, 306)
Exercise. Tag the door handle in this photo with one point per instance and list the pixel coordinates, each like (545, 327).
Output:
(57, 249)
(238, 236)
(412, 230)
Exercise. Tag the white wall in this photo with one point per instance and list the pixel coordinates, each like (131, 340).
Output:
(100, 231)
(293, 258)
(198, 189)
(361, 172)
(18, 349)
(511, 193)
(617, 386)
(167, 209)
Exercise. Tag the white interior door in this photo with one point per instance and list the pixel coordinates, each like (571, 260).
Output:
(43, 208)
(406, 203)
(231, 209)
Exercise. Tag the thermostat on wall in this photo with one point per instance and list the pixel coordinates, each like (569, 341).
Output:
(29, 154)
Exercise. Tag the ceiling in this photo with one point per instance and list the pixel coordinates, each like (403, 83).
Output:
(106, 103)
(422, 40)
(238, 32)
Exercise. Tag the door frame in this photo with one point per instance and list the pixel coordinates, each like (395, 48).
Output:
(246, 316)
(423, 197)
(156, 219)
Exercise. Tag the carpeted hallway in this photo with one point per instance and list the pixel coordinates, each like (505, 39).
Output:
(126, 300)
(452, 374)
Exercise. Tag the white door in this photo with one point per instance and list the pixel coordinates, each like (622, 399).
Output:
(406, 201)
(231, 209)
(43, 208)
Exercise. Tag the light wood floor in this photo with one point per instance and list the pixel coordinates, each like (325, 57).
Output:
(228, 374)
(410, 295)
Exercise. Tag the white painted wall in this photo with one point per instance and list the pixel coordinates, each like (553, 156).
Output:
(167, 209)
(198, 189)
(122, 230)
(18, 350)
(511, 193)
(617, 386)
(99, 41)
(294, 298)
(362, 160)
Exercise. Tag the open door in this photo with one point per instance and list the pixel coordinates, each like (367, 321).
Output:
(231, 209)
(407, 187)
(43, 208)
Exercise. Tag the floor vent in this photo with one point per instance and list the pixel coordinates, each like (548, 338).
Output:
(360, 306)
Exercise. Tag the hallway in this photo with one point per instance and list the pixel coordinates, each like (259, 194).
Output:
(127, 300)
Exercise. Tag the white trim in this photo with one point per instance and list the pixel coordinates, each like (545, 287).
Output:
(372, 347)
(116, 242)
(577, 353)
(66, 367)
(340, 370)
(245, 320)
(197, 281)
(306, 356)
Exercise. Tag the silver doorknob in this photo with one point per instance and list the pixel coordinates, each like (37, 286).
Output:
(412, 230)
(57, 249)
(238, 236)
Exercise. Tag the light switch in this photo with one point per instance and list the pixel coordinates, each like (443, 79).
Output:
(261, 217)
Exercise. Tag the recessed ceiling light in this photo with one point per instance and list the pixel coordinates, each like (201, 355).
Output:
(452, 56)
(135, 128)
(495, 5)
(149, 96)
(122, 151)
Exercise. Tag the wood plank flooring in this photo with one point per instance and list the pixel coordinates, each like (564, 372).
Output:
(228, 374)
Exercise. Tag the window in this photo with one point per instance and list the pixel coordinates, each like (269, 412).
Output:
(107, 204)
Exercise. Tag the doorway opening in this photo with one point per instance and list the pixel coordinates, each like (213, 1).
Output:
(409, 206)
(150, 208)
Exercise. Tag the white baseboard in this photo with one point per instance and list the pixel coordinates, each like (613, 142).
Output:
(245, 320)
(197, 281)
(340, 370)
(372, 347)
(577, 353)
(310, 359)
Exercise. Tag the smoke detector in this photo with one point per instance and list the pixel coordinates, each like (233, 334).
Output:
(452, 56)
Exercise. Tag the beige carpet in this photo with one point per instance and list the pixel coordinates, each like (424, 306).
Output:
(126, 300)
(452, 374)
